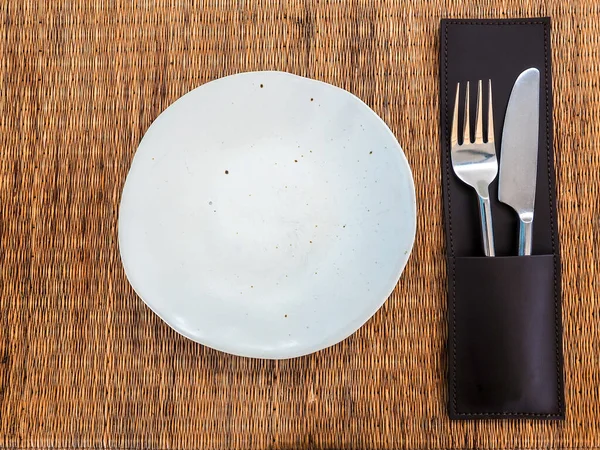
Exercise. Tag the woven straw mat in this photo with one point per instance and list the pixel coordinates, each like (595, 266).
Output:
(85, 364)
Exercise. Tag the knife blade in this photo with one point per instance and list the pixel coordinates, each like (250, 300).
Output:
(519, 153)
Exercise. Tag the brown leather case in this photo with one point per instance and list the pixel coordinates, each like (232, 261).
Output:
(505, 333)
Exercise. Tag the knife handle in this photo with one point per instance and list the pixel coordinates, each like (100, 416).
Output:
(525, 237)
(487, 232)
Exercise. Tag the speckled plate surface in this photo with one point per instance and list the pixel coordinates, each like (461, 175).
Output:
(267, 215)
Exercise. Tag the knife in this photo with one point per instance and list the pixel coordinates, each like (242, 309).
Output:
(519, 153)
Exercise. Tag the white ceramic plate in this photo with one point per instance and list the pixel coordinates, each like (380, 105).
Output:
(267, 215)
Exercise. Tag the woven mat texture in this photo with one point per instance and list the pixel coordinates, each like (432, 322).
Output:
(85, 364)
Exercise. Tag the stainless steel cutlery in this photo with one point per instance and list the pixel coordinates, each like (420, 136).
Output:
(518, 160)
(475, 163)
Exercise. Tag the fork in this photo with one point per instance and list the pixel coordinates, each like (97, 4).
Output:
(475, 162)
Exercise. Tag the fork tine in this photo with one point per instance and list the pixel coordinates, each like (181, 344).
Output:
(467, 127)
(479, 116)
(454, 135)
(490, 133)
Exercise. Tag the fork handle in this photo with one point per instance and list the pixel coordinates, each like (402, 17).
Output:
(487, 231)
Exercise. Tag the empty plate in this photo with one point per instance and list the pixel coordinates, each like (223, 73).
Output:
(267, 215)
